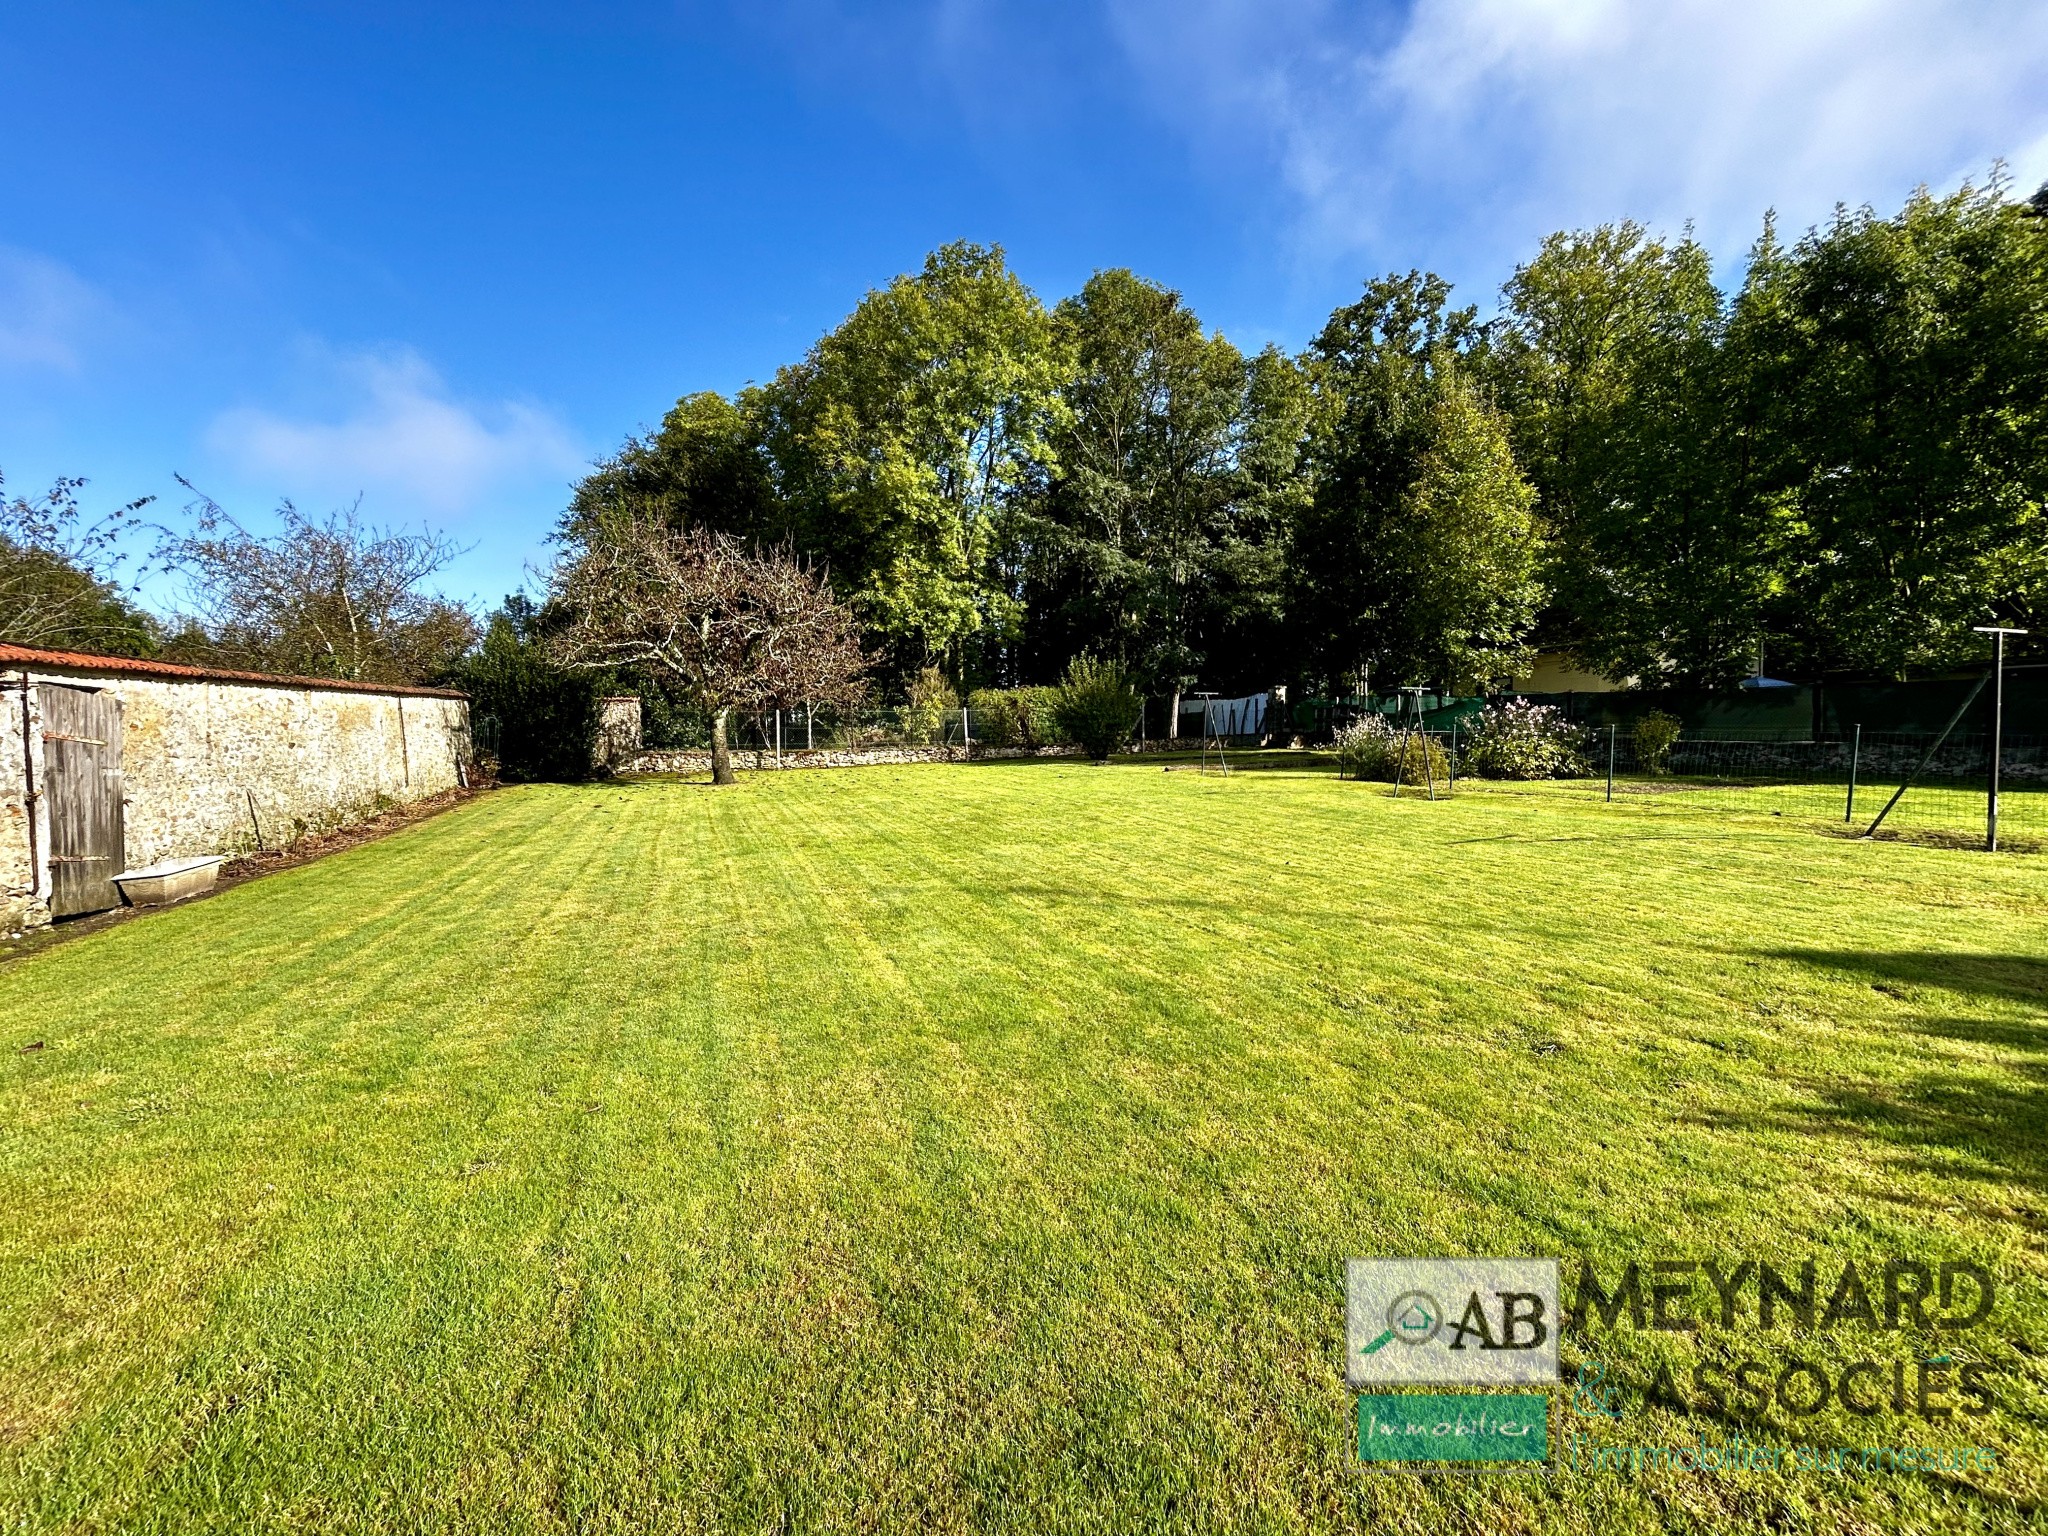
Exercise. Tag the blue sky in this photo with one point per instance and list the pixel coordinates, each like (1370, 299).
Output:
(443, 255)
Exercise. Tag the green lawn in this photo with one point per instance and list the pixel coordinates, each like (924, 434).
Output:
(949, 1148)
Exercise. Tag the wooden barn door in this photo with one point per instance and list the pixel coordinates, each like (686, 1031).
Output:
(82, 759)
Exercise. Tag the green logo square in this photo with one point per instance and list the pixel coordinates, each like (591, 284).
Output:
(1453, 1426)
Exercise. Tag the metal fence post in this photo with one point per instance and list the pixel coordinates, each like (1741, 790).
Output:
(778, 738)
(1610, 765)
(1928, 756)
(1998, 634)
(1855, 757)
(966, 733)
(809, 745)
(1997, 745)
(1451, 788)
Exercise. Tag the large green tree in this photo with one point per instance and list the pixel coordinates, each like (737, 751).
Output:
(1241, 617)
(1127, 541)
(901, 442)
(706, 467)
(1414, 559)
(1463, 549)
(1653, 452)
(1906, 361)
(1844, 462)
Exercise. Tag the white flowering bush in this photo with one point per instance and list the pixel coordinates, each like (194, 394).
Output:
(1370, 748)
(1520, 740)
(1362, 747)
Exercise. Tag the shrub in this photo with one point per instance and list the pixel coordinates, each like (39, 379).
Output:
(1520, 740)
(931, 700)
(1038, 716)
(1655, 735)
(1015, 717)
(1096, 708)
(539, 719)
(1365, 748)
(1370, 748)
(668, 716)
(996, 717)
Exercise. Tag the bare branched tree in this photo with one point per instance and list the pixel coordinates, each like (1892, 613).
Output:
(738, 629)
(337, 597)
(58, 583)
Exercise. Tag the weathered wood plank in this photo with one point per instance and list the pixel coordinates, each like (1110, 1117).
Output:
(82, 761)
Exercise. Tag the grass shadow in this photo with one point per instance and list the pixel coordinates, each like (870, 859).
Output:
(2014, 978)
(1986, 1121)
(1946, 1125)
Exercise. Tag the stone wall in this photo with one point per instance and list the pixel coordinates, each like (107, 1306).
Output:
(22, 900)
(213, 765)
(618, 729)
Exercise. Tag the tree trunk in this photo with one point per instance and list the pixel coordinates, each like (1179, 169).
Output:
(721, 755)
(1173, 715)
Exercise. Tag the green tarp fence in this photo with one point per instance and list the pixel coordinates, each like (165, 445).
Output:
(1803, 712)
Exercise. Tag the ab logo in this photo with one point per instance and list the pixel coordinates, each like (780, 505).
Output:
(1445, 1321)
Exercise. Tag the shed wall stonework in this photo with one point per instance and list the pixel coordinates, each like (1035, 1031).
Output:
(21, 902)
(211, 766)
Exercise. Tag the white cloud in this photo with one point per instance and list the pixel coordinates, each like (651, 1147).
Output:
(1492, 121)
(46, 312)
(399, 432)
(2030, 164)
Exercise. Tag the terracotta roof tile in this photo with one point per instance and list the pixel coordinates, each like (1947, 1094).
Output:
(32, 656)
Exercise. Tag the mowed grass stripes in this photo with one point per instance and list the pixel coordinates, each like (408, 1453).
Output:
(967, 1148)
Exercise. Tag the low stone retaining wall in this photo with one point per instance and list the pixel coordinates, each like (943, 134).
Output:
(699, 760)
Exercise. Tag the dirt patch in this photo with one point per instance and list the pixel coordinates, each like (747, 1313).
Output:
(318, 845)
(250, 866)
(1965, 842)
(1696, 787)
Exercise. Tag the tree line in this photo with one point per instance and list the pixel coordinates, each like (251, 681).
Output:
(1841, 465)
(1844, 461)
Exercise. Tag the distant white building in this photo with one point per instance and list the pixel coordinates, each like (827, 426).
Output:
(1558, 672)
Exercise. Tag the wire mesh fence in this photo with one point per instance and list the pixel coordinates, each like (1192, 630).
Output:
(804, 730)
(1913, 785)
(800, 730)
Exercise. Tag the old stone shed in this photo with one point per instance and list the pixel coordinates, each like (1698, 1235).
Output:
(110, 764)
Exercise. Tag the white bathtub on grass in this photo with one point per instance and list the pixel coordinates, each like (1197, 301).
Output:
(173, 880)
